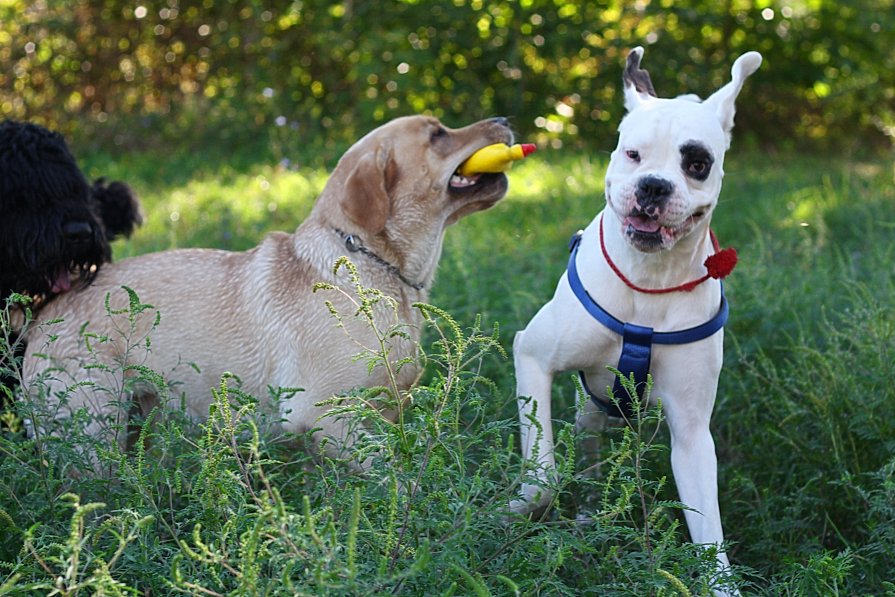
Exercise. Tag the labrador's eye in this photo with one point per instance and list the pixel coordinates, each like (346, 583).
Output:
(438, 133)
(633, 155)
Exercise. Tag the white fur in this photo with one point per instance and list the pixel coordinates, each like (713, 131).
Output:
(563, 336)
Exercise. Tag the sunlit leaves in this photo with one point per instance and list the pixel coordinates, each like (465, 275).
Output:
(335, 64)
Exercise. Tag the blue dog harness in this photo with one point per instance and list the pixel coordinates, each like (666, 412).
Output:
(637, 341)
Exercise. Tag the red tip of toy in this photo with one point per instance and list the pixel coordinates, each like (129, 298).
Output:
(528, 148)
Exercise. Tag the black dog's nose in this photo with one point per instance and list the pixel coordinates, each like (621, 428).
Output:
(78, 232)
(501, 121)
(652, 192)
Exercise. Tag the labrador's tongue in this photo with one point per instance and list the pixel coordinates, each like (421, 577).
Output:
(62, 281)
(642, 224)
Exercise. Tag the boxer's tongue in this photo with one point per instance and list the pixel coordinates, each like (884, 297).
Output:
(642, 224)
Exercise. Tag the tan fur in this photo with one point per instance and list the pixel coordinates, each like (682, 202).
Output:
(254, 313)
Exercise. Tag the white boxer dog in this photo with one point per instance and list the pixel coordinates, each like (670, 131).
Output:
(640, 293)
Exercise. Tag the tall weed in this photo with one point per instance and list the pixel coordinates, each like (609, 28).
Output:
(228, 508)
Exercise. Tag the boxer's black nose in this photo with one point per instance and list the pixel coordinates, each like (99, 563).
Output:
(501, 121)
(652, 194)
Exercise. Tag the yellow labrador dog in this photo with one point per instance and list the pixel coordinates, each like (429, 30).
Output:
(386, 206)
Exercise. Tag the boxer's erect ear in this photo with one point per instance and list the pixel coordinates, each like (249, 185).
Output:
(722, 101)
(638, 86)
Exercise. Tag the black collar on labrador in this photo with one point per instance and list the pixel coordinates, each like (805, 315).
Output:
(355, 245)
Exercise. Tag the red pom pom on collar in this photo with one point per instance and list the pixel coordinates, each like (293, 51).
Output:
(721, 263)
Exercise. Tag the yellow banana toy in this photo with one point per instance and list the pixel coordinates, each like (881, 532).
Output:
(495, 158)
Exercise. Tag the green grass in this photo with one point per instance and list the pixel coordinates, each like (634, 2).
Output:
(804, 424)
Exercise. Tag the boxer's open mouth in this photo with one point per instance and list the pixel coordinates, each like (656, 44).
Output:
(645, 233)
(637, 223)
(650, 234)
(642, 225)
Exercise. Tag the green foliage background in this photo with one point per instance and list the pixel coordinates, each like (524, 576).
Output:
(322, 72)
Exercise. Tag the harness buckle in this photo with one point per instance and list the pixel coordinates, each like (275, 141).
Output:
(576, 238)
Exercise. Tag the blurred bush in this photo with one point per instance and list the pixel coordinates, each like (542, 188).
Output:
(323, 72)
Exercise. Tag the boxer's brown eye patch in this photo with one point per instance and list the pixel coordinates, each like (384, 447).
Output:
(696, 160)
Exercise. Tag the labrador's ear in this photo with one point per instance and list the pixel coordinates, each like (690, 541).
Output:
(367, 193)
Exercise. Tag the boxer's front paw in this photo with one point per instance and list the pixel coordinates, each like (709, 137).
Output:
(532, 501)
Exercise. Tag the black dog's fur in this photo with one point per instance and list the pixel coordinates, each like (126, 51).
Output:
(55, 227)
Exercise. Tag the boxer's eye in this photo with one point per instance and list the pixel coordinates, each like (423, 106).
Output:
(633, 155)
(696, 160)
(697, 168)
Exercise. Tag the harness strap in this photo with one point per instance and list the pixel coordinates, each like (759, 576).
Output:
(637, 341)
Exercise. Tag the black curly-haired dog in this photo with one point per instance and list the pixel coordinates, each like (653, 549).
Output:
(55, 227)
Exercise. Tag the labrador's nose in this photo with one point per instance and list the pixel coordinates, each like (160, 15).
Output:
(501, 121)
